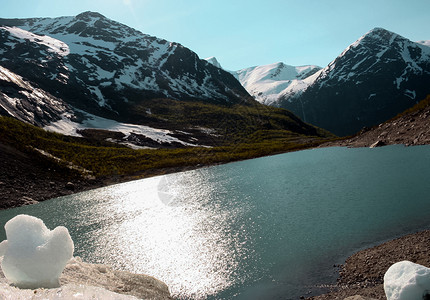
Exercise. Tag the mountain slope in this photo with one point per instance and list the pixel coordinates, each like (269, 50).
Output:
(375, 78)
(184, 123)
(22, 100)
(410, 127)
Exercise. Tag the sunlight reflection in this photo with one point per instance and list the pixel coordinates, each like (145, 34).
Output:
(172, 228)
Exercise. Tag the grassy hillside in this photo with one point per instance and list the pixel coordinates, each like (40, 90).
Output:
(240, 132)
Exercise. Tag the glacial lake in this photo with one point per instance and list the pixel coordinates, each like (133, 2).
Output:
(266, 228)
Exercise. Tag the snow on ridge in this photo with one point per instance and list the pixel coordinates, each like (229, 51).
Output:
(158, 50)
(54, 45)
(268, 82)
(81, 44)
(68, 127)
(212, 60)
(7, 75)
(142, 57)
(425, 43)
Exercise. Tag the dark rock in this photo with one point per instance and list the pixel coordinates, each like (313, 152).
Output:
(70, 186)
(28, 201)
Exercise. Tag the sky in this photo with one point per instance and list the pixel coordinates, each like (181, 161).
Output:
(246, 33)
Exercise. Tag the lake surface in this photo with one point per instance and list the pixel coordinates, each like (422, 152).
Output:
(266, 228)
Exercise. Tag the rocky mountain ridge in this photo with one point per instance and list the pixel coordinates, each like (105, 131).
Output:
(374, 79)
(109, 59)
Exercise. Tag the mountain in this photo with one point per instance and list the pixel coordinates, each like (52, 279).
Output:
(374, 79)
(105, 67)
(267, 83)
(93, 77)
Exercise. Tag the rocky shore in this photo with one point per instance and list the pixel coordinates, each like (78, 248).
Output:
(410, 128)
(81, 278)
(27, 180)
(363, 273)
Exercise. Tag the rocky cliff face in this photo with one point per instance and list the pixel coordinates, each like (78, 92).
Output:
(106, 68)
(374, 79)
(21, 100)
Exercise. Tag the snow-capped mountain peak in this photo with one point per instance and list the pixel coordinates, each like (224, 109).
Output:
(108, 63)
(372, 80)
(212, 60)
(266, 83)
(91, 67)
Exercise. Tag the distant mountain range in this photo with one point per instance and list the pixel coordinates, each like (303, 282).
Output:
(75, 74)
(372, 80)
(88, 69)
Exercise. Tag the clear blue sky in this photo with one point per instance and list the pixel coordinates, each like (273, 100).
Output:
(245, 33)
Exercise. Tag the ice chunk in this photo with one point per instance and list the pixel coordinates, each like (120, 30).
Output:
(34, 256)
(407, 280)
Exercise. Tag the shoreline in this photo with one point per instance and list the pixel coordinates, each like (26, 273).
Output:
(25, 182)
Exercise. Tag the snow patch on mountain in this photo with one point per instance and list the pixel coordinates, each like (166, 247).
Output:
(54, 45)
(425, 43)
(21, 100)
(67, 126)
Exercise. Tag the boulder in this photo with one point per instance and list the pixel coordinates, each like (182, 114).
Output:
(378, 143)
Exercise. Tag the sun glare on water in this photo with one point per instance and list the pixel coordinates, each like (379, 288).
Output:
(170, 228)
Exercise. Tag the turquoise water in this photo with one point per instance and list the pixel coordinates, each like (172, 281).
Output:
(267, 228)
